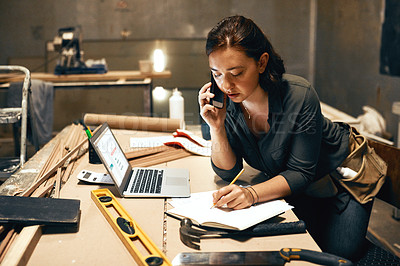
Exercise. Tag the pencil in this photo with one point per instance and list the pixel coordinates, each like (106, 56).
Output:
(233, 181)
(236, 177)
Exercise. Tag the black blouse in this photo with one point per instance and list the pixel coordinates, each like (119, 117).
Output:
(301, 145)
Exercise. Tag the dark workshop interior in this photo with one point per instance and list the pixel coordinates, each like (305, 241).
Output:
(349, 50)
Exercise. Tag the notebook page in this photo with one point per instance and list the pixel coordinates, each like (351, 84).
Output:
(198, 208)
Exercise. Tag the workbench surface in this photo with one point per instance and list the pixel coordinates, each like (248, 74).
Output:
(96, 243)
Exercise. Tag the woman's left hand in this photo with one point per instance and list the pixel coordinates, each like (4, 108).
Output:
(213, 116)
(233, 197)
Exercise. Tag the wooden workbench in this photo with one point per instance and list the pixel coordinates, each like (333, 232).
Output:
(97, 244)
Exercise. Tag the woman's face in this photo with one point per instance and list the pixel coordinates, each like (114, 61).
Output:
(236, 74)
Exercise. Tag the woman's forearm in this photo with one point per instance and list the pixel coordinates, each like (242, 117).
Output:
(274, 188)
(222, 154)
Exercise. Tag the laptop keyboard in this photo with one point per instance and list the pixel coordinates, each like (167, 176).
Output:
(147, 181)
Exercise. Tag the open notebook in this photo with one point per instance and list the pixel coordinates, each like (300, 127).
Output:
(197, 208)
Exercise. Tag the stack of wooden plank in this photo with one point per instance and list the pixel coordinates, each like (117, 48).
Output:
(55, 172)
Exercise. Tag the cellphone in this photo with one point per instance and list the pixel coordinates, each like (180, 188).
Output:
(218, 100)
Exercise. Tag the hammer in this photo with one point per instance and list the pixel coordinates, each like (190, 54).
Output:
(191, 236)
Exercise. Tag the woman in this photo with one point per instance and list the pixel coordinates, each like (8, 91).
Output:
(273, 121)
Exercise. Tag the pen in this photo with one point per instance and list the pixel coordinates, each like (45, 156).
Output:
(88, 133)
(86, 128)
(233, 181)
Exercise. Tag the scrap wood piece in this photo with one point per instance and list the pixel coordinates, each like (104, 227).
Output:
(74, 159)
(45, 187)
(59, 173)
(47, 163)
(56, 156)
(13, 236)
(20, 252)
(53, 159)
(68, 170)
(169, 154)
(75, 135)
(7, 241)
(36, 184)
(49, 173)
(34, 234)
(72, 136)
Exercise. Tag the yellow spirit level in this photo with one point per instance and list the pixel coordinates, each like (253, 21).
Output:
(128, 230)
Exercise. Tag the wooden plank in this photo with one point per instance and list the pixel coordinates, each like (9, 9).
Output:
(390, 191)
(20, 251)
(144, 152)
(69, 168)
(8, 245)
(44, 189)
(161, 157)
(28, 211)
(111, 75)
(52, 161)
(47, 164)
(23, 246)
(6, 242)
(52, 170)
(78, 137)
(59, 173)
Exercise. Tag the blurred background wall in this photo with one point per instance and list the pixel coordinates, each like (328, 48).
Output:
(333, 43)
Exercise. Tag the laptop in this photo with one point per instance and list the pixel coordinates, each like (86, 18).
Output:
(138, 181)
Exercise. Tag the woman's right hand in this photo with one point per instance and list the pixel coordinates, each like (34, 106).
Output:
(233, 197)
(213, 116)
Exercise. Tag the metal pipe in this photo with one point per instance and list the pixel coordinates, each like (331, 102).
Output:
(24, 107)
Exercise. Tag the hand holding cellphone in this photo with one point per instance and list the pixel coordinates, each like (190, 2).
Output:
(218, 100)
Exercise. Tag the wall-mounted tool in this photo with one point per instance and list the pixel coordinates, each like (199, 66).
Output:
(68, 42)
(128, 230)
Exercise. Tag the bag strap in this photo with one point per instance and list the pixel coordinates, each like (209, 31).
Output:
(357, 143)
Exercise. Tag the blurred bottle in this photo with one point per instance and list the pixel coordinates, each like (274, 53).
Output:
(176, 106)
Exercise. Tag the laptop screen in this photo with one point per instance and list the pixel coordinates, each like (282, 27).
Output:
(112, 155)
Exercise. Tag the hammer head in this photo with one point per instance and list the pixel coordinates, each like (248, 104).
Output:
(190, 236)
(186, 235)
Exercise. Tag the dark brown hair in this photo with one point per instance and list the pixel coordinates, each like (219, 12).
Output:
(243, 34)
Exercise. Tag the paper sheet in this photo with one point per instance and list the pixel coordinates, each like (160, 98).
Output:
(198, 208)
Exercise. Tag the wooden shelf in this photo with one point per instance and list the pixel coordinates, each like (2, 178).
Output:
(109, 76)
